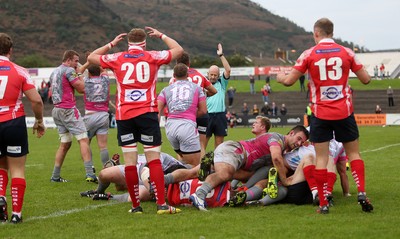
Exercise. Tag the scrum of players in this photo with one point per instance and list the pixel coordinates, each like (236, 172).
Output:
(299, 167)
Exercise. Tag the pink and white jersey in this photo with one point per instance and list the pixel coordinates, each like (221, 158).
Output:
(258, 147)
(294, 157)
(97, 93)
(62, 91)
(14, 80)
(182, 99)
(195, 77)
(336, 151)
(329, 65)
(136, 74)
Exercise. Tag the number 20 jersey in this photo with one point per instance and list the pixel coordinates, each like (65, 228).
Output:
(329, 65)
(136, 73)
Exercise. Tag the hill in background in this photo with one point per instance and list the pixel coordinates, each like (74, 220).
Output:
(49, 27)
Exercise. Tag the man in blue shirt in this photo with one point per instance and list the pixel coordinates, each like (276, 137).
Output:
(216, 104)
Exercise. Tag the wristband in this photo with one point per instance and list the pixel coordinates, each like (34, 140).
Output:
(221, 55)
(163, 37)
(110, 45)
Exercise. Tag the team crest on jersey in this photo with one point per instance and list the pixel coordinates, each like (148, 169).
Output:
(331, 92)
(159, 55)
(111, 57)
(136, 95)
(14, 149)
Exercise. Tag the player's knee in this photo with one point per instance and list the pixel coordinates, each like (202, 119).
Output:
(66, 138)
(129, 148)
(82, 136)
(156, 149)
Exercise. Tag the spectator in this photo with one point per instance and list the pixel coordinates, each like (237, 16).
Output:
(301, 80)
(390, 96)
(255, 110)
(267, 79)
(265, 92)
(44, 91)
(283, 109)
(274, 109)
(231, 94)
(382, 71)
(252, 82)
(265, 109)
(376, 70)
(231, 118)
(245, 109)
(378, 109)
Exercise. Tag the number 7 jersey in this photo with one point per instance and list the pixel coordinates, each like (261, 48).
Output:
(329, 65)
(136, 72)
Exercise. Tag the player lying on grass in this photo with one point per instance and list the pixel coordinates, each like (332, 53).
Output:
(302, 185)
(115, 173)
(231, 156)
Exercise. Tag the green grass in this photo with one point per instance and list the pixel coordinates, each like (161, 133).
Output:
(243, 85)
(56, 210)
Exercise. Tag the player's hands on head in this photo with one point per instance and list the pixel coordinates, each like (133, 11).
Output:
(153, 32)
(118, 38)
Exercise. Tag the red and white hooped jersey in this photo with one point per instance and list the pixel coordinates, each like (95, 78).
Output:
(196, 77)
(329, 65)
(178, 193)
(136, 73)
(14, 80)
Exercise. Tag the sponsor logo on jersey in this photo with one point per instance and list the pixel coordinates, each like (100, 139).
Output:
(321, 51)
(133, 55)
(135, 95)
(4, 108)
(147, 138)
(184, 188)
(14, 149)
(331, 92)
(126, 137)
(5, 68)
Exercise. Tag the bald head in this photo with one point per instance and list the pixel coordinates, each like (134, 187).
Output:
(213, 73)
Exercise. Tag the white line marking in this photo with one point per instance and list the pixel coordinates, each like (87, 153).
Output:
(90, 207)
(75, 210)
(33, 165)
(381, 148)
